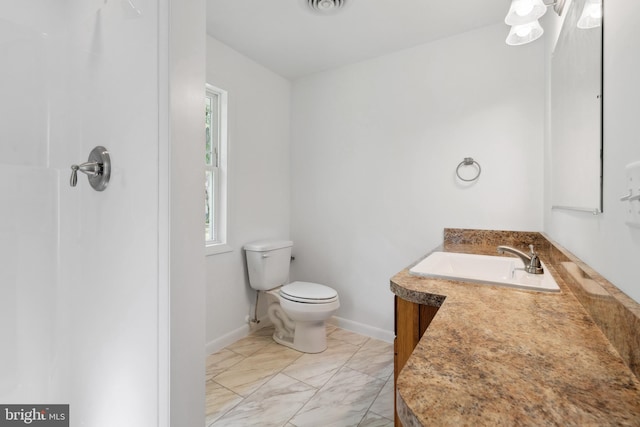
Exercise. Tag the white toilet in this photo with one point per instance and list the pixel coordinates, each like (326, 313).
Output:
(298, 310)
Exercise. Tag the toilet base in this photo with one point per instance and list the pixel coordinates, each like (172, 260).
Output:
(309, 337)
(299, 326)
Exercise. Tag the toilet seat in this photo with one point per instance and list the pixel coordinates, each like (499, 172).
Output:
(308, 293)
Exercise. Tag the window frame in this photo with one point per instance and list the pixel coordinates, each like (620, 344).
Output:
(218, 168)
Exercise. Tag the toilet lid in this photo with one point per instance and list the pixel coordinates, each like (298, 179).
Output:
(312, 293)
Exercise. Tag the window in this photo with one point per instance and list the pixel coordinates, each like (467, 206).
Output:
(215, 193)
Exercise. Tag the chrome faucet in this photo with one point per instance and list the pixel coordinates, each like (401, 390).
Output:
(531, 262)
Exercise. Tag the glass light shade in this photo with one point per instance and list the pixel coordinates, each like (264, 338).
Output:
(525, 11)
(522, 34)
(591, 15)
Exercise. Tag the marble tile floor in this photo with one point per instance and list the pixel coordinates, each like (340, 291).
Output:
(257, 382)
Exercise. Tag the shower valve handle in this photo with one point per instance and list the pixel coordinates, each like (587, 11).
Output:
(88, 168)
(97, 169)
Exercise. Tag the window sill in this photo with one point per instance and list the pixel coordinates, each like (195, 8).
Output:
(217, 248)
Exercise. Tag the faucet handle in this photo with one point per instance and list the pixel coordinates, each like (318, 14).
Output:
(535, 266)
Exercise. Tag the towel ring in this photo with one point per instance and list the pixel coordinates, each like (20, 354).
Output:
(468, 161)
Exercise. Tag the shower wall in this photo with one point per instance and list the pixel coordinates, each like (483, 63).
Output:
(79, 268)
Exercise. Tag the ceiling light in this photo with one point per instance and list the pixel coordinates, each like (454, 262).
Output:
(326, 6)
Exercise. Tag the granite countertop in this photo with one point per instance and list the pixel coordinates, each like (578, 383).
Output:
(500, 356)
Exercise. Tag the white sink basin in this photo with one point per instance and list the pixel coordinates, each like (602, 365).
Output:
(486, 269)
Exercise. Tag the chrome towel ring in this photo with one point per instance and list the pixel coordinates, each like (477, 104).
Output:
(468, 161)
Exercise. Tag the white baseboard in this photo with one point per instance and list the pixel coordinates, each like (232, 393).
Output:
(235, 335)
(228, 338)
(361, 328)
(350, 325)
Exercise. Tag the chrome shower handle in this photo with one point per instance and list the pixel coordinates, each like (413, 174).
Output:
(88, 168)
(97, 169)
(74, 175)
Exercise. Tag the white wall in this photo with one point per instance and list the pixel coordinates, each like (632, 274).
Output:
(375, 146)
(258, 182)
(605, 242)
(183, 29)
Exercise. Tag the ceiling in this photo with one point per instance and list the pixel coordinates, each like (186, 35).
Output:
(289, 39)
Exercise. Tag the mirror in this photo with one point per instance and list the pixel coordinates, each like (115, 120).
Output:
(576, 113)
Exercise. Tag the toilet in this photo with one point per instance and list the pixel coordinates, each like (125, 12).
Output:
(298, 310)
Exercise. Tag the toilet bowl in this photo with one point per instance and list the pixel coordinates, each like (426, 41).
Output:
(298, 310)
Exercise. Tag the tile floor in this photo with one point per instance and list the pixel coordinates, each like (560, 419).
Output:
(256, 382)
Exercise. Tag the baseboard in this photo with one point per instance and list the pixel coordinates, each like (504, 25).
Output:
(361, 328)
(350, 325)
(228, 338)
(235, 335)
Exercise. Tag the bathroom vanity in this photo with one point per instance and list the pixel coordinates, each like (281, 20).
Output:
(478, 354)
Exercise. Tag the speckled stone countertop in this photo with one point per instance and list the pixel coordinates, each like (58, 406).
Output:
(499, 356)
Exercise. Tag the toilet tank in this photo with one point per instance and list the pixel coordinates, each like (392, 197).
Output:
(268, 263)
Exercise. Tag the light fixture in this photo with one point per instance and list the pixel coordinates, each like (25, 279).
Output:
(591, 15)
(524, 11)
(326, 7)
(525, 33)
(523, 18)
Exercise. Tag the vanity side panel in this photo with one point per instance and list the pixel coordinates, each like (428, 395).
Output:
(411, 322)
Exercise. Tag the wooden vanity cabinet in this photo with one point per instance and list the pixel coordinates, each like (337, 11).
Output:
(411, 321)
